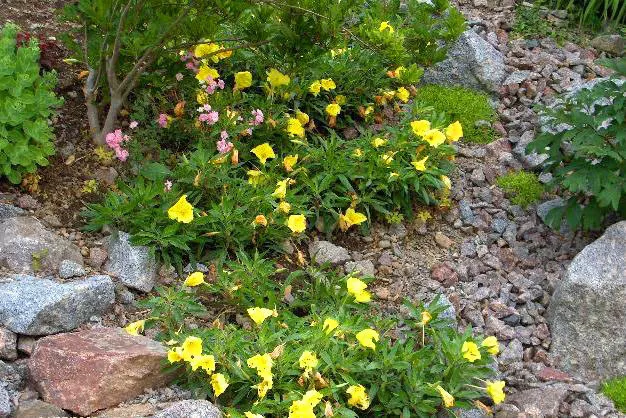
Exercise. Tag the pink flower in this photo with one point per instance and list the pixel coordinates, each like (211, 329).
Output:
(163, 120)
(113, 139)
(167, 186)
(224, 135)
(210, 117)
(249, 131)
(191, 66)
(220, 84)
(133, 124)
(179, 77)
(258, 117)
(121, 154)
(224, 146)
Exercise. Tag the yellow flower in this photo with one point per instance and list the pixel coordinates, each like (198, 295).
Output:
(284, 207)
(421, 164)
(301, 409)
(402, 94)
(295, 128)
(492, 345)
(249, 414)
(351, 217)
(328, 84)
(202, 97)
(297, 223)
(420, 127)
(315, 87)
(206, 362)
(302, 117)
(263, 152)
(338, 51)
(262, 363)
(426, 317)
(356, 288)
(470, 351)
(330, 325)
(243, 80)
(192, 347)
(260, 220)
(182, 211)
(205, 49)
(308, 361)
(388, 95)
(495, 390)
(175, 355)
(358, 397)
(340, 99)
(378, 142)
(289, 161)
(312, 397)
(387, 157)
(333, 109)
(454, 131)
(281, 189)
(368, 110)
(276, 78)
(446, 182)
(259, 315)
(255, 177)
(134, 328)
(367, 337)
(448, 400)
(385, 25)
(393, 175)
(358, 153)
(194, 279)
(264, 386)
(434, 137)
(219, 384)
(207, 72)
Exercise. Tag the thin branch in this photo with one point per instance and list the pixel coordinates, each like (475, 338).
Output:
(111, 63)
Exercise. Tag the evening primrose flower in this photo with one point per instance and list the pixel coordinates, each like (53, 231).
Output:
(378, 142)
(495, 390)
(243, 80)
(492, 345)
(263, 152)
(204, 361)
(356, 288)
(276, 78)
(387, 157)
(358, 153)
(297, 223)
(367, 337)
(134, 328)
(426, 317)
(255, 177)
(308, 361)
(284, 207)
(402, 94)
(385, 25)
(434, 137)
(333, 109)
(358, 397)
(315, 87)
(351, 217)
(289, 161)
(330, 325)
(219, 384)
(302, 117)
(192, 347)
(328, 84)
(454, 131)
(281, 189)
(181, 211)
(301, 409)
(175, 355)
(259, 315)
(260, 220)
(249, 414)
(470, 351)
(312, 397)
(448, 400)
(421, 164)
(340, 99)
(420, 127)
(205, 72)
(446, 182)
(295, 128)
(194, 279)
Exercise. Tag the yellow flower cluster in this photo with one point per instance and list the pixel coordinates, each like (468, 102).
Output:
(358, 397)
(258, 315)
(303, 408)
(356, 288)
(434, 137)
(325, 84)
(263, 365)
(351, 217)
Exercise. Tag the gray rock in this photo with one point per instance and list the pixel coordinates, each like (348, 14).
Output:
(539, 402)
(450, 312)
(9, 211)
(69, 268)
(471, 413)
(517, 77)
(327, 252)
(6, 405)
(33, 306)
(530, 160)
(26, 245)
(13, 375)
(190, 409)
(365, 267)
(467, 215)
(8, 344)
(472, 62)
(613, 44)
(39, 409)
(587, 311)
(544, 208)
(512, 353)
(134, 266)
(499, 225)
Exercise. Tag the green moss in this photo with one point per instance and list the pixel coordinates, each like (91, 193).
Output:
(615, 389)
(523, 187)
(466, 106)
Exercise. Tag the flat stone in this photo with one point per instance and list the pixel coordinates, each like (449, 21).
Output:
(613, 44)
(540, 402)
(442, 240)
(543, 209)
(9, 211)
(134, 266)
(326, 252)
(517, 77)
(33, 306)
(26, 245)
(8, 344)
(6, 407)
(95, 369)
(141, 410)
(69, 268)
(39, 409)
(444, 275)
(365, 267)
(190, 408)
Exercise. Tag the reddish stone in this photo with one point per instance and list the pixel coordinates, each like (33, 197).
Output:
(444, 275)
(549, 374)
(96, 369)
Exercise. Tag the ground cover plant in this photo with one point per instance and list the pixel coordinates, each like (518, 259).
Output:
(523, 187)
(615, 389)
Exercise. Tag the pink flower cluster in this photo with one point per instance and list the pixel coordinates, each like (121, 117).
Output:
(258, 117)
(208, 115)
(114, 140)
(212, 85)
(163, 120)
(224, 146)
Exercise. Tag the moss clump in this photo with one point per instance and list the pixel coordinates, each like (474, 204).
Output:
(466, 106)
(615, 389)
(522, 187)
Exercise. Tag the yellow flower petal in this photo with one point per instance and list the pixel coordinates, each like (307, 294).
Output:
(194, 279)
(181, 211)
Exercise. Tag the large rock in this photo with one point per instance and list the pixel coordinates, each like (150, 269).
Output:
(33, 306)
(26, 245)
(613, 44)
(539, 402)
(96, 369)
(9, 211)
(39, 409)
(587, 314)
(190, 409)
(134, 266)
(472, 62)
(327, 252)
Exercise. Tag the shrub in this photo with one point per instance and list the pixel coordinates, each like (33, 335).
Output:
(524, 187)
(594, 12)
(469, 107)
(615, 389)
(322, 351)
(586, 150)
(26, 103)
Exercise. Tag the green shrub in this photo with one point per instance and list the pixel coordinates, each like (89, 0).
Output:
(26, 102)
(594, 12)
(615, 389)
(530, 22)
(467, 106)
(523, 187)
(588, 158)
